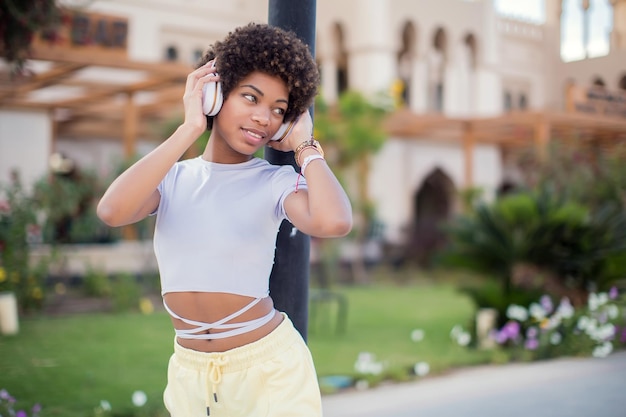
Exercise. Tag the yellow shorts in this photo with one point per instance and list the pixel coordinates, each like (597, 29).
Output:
(272, 377)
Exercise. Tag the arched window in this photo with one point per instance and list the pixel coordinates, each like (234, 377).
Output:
(508, 101)
(437, 69)
(405, 60)
(171, 53)
(341, 58)
(598, 82)
(470, 45)
(622, 82)
(523, 102)
(196, 55)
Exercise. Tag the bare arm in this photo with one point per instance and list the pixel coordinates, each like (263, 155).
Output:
(324, 210)
(133, 195)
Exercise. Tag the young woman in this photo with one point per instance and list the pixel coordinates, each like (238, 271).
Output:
(217, 220)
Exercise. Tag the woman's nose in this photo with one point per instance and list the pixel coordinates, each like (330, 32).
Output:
(261, 116)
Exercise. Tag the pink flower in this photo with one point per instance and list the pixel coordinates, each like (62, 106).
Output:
(546, 303)
(511, 329)
(531, 344)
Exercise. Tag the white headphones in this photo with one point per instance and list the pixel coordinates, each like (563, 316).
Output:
(212, 100)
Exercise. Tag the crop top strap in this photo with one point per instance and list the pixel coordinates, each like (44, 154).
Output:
(235, 328)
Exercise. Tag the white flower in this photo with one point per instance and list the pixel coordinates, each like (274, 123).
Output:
(583, 322)
(460, 336)
(565, 309)
(602, 333)
(612, 311)
(553, 322)
(139, 398)
(362, 385)
(556, 338)
(105, 405)
(365, 357)
(464, 339)
(603, 350)
(366, 364)
(537, 311)
(417, 335)
(421, 369)
(456, 331)
(597, 300)
(516, 312)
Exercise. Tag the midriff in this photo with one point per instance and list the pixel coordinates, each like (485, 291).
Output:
(211, 307)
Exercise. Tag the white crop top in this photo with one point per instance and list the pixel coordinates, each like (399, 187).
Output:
(216, 225)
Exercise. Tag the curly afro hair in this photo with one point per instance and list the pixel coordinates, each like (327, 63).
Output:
(271, 50)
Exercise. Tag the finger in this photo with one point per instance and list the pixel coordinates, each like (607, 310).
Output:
(212, 77)
(197, 74)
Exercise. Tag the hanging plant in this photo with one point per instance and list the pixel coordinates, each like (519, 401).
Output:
(20, 22)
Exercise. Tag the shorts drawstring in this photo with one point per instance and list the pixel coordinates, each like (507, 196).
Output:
(214, 376)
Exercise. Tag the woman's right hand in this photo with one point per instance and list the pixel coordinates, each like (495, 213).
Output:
(192, 98)
(134, 194)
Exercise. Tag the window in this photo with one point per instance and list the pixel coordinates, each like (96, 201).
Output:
(523, 102)
(508, 101)
(197, 55)
(622, 82)
(171, 53)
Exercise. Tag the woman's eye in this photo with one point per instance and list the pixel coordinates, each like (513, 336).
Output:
(250, 97)
(280, 111)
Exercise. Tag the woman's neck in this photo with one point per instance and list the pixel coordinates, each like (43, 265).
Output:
(219, 152)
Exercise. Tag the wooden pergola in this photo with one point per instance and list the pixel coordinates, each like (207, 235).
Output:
(96, 93)
(513, 131)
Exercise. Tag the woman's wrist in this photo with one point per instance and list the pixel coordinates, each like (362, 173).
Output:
(307, 160)
(191, 130)
(308, 147)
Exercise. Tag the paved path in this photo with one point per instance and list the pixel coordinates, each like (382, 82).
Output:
(576, 387)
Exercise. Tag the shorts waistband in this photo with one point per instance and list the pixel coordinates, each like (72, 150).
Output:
(241, 357)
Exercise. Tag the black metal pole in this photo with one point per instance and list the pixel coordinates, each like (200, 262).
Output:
(289, 281)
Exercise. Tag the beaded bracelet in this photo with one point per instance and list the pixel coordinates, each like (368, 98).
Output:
(311, 143)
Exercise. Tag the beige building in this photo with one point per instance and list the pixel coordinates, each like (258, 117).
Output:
(476, 85)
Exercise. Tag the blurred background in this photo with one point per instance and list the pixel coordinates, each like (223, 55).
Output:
(481, 143)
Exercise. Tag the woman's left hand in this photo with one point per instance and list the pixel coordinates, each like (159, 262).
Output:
(299, 133)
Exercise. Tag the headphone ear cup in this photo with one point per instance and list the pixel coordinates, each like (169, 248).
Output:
(284, 130)
(212, 98)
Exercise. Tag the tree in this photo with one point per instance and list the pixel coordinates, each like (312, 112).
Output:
(20, 22)
(352, 131)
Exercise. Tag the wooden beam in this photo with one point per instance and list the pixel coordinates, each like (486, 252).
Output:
(468, 154)
(92, 96)
(131, 120)
(542, 137)
(96, 58)
(53, 76)
(86, 130)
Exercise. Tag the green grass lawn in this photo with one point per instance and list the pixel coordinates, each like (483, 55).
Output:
(70, 364)
(380, 321)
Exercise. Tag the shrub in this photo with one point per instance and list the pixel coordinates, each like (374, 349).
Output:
(569, 246)
(126, 292)
(543, 330)
(18, 227)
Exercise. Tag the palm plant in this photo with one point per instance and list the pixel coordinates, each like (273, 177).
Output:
(569, 247)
